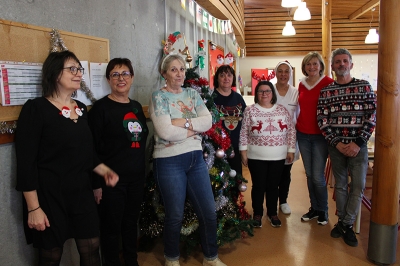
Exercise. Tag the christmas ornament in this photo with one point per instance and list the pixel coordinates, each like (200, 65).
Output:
(7, 127)
(232, 154)
(232, 173)
(200, 60)
(228, 58)
(220, 202)
(220, 59)
(220, 153)
(242, 187)
(205, 155)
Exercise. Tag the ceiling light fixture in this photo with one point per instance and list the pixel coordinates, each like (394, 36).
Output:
(290, 3)
(289, 30)
(372, 36)
(302, 12)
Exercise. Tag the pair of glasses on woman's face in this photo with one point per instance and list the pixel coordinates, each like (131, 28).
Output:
(124, 75)
(74, 70)
(266, 92)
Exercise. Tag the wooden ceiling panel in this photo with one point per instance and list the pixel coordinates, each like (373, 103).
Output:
(265, 19)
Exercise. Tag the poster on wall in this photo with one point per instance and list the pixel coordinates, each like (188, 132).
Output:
(215, 59)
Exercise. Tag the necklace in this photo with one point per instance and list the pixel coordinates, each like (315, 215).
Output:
(65, 110)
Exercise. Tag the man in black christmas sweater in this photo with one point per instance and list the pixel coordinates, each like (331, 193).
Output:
(346, 116)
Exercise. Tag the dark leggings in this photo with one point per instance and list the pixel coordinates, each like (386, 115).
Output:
(88, 250)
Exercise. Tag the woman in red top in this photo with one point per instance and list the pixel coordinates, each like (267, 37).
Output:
(313, 146)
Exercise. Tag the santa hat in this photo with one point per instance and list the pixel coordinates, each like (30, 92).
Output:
(130, 116)
(286, 63)
(65, 108)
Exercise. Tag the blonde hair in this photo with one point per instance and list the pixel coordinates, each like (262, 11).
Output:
(308, 58)
(167, 61)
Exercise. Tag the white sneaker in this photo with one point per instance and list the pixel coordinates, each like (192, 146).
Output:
(285, 208)
(216, 262)
(171, 262)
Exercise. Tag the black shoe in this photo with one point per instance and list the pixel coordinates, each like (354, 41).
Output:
(311, 214)
(345, 231)
(336, 232)
(349, 236)
(275, 222)
(322, 218)
(257, 221)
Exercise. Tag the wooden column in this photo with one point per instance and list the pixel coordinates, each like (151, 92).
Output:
(327, 35)
(385, 187)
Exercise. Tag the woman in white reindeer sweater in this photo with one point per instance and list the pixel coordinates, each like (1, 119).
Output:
(267, 139)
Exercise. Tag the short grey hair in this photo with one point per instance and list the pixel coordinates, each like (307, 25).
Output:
(339, 51)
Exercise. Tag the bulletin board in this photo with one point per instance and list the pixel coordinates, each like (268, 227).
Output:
(27, 43)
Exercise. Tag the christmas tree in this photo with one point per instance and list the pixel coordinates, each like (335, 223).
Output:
(233, 220)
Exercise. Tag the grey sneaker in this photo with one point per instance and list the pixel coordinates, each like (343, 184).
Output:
(285, 208)
(311, 214)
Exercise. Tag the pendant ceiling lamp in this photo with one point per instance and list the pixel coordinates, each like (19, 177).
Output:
(372, 36)
(288, 30)
(302, 12)
(290, 3)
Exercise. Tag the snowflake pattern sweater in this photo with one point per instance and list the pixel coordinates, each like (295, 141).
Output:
(347, 112)
(267, 133)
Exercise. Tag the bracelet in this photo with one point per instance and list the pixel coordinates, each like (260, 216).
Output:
(34, 209)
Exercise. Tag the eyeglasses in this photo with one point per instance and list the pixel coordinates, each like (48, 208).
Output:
(124, 75)
(266, 92)
(74, 70)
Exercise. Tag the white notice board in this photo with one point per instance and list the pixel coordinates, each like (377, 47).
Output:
(19, 82)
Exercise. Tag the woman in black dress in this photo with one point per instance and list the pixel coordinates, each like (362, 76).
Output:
(55, 157)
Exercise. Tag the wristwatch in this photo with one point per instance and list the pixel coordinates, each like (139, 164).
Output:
(187, 123)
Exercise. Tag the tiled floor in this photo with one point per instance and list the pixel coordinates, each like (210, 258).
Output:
(296, 243)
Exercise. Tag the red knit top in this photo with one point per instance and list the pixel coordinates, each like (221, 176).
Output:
(308, 100)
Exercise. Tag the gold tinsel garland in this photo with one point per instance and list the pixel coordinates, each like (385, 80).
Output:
(8, 128)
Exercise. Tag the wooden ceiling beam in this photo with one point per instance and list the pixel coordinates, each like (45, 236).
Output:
(364, 9)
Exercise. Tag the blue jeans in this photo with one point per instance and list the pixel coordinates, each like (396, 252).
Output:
(348, 202)
(177, 177)
(314, 152)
